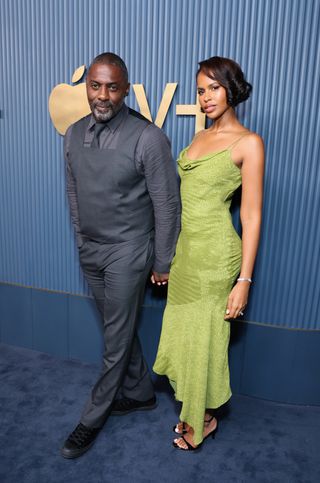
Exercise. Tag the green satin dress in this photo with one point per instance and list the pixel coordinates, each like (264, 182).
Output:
(193, 348)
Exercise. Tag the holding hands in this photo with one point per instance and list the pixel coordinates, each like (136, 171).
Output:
(159, 278)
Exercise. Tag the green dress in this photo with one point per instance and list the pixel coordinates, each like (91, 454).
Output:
(193, 348)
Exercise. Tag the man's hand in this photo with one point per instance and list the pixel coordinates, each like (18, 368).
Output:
(159, 278)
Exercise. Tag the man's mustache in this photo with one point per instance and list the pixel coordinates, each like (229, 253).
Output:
(102, 104)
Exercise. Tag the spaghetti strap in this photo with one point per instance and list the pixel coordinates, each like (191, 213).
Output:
(237, 140)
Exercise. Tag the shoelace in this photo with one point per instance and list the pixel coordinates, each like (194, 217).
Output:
(125, 403)
(80, 434)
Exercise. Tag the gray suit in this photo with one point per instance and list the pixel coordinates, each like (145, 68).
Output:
(125, 208)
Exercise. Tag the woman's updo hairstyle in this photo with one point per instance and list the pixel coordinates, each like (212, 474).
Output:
(229, 74)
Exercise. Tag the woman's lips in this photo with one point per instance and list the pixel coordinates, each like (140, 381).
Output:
(210, 108)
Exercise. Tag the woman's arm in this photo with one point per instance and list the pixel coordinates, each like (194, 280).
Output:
(250, 214)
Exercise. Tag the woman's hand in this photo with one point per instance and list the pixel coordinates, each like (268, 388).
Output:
(237, 300)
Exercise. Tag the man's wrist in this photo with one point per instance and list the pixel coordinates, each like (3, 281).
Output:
(158, 268)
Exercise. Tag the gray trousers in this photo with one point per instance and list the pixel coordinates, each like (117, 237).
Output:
(117, 274)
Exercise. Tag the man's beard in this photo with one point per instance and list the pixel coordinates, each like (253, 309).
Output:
(112, 110)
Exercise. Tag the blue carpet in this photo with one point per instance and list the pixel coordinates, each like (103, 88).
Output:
(41, 400)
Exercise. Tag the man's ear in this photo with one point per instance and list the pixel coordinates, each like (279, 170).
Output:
(127, 90)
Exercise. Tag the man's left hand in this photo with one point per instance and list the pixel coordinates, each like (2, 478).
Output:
(159, 278)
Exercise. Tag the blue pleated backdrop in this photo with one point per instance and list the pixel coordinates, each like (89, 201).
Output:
(277, 44)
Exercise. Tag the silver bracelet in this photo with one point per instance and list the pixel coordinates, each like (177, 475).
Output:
(244, 280)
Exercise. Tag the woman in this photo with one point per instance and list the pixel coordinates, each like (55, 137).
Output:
(211, 273)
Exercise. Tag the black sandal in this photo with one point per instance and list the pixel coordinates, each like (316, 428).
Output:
(194, 448)
(190, 447)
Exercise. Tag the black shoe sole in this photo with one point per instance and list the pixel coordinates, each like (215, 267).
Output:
(76, 453)
(141, 408)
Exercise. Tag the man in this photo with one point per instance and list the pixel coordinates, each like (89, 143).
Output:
(124, 204)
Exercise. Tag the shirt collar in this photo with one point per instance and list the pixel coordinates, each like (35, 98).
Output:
(114, 122)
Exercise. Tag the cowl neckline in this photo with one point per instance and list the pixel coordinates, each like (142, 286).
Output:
(187, 164)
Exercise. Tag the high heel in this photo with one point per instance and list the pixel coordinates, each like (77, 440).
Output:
(194, 448)
(213, 432)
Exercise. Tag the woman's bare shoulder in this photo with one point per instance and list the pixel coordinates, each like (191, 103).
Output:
(249, 148)
(252, 149)
(253, 139)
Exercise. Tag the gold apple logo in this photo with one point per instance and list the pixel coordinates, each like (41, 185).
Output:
(68, 104)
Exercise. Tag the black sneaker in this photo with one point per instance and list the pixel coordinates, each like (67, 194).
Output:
(79, 441)
(126, 405)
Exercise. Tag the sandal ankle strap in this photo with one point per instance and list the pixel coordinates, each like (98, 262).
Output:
(207, 421)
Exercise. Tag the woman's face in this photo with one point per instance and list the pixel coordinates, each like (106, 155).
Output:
(212, 96)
